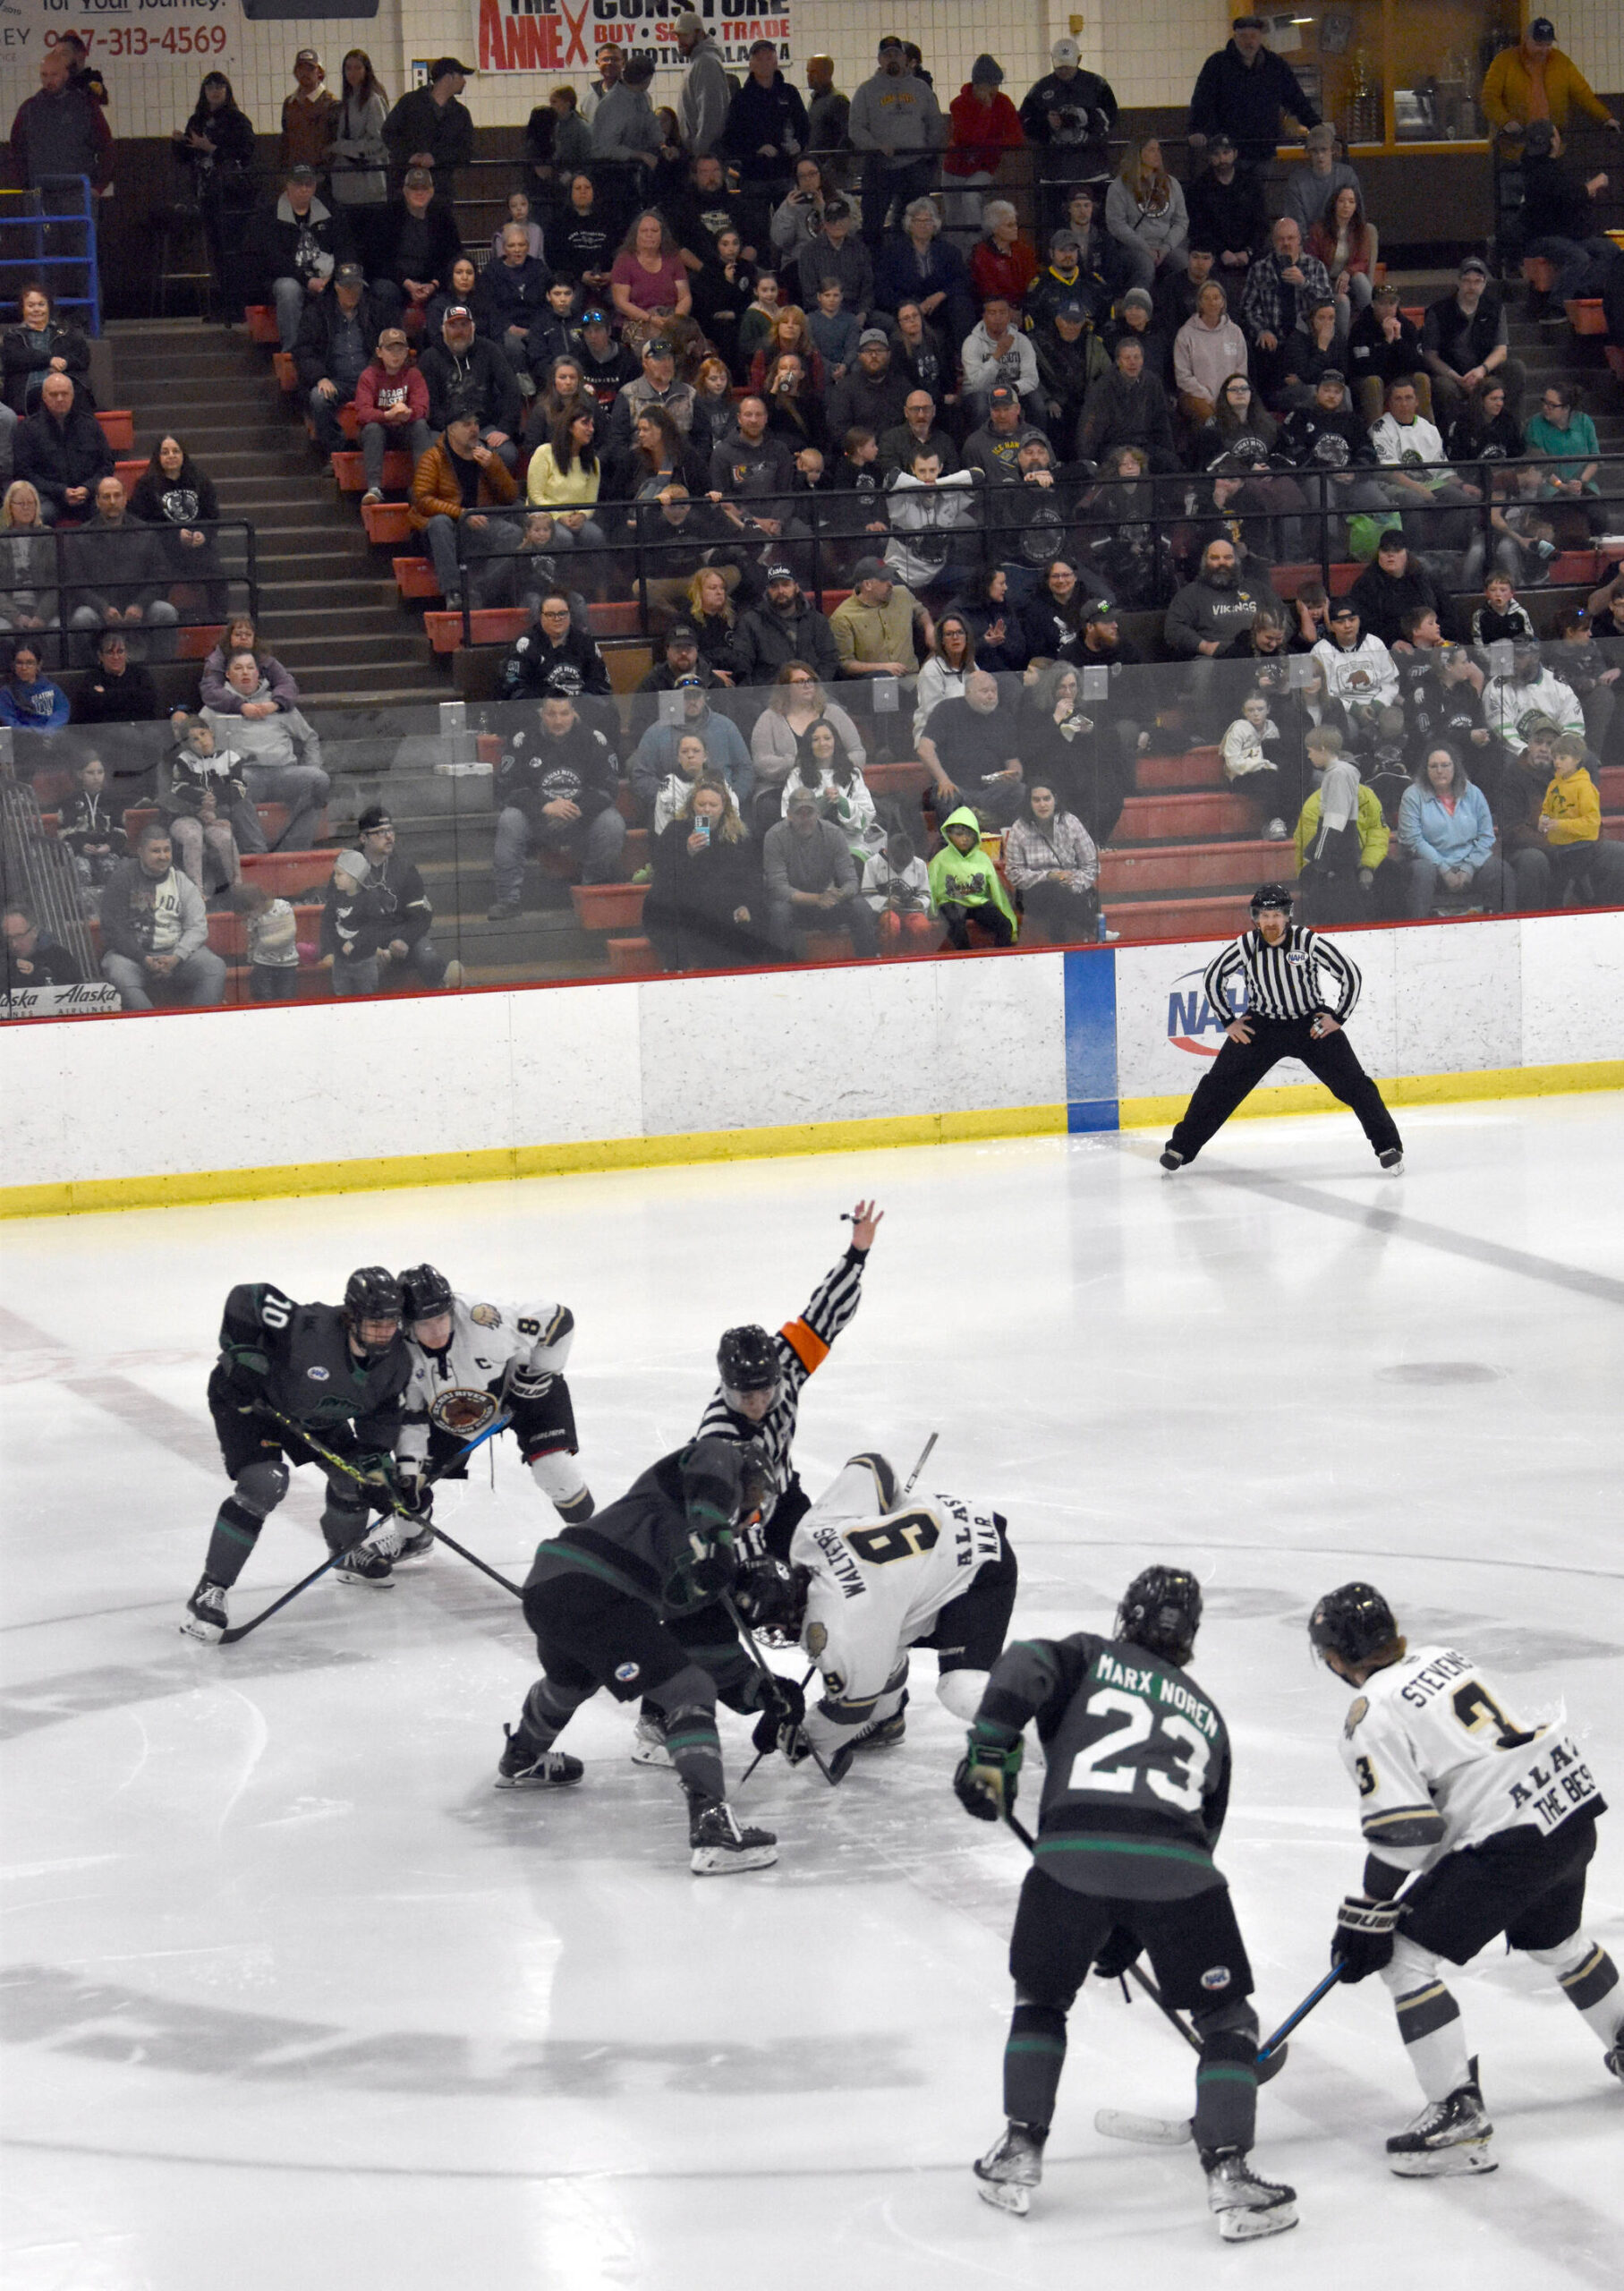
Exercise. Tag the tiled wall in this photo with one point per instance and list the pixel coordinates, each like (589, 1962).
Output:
(1150, 49)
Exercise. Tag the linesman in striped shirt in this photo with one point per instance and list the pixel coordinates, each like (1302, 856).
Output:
(756, 1404)
(1286, 969)
(762, 1378)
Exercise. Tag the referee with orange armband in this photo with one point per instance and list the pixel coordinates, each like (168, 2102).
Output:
(1285, 968)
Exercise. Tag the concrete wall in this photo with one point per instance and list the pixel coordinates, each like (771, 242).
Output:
(1150, 49)
(106, 1113)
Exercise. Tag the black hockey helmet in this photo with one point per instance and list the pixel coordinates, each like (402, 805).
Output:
(1354, 1621)
(1160, 1611)
(747, 1360)
(770, 1595)
(1275, 895)
(424, 1291)
(372, 1293)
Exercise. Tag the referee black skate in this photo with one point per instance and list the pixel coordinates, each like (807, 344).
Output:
(1285, 966)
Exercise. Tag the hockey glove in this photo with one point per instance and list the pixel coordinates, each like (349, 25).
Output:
(1122, 1948)
(783, 1706)
(414, 1493)
(985, 1778)
(245, 1366)
(704, 1575)
(376, 1474)
(1363, 1942)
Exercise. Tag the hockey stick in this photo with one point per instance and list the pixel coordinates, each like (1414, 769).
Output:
(339, 1463)
(230, 1638)
(1118, 2123)
(1162, 2132)
(924, 1458)
(768, 1673)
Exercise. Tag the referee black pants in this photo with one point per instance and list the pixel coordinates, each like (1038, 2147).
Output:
(1239, 1067)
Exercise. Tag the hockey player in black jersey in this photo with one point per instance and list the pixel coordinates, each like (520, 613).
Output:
(339, 1370)
(631, 1600)
(757, 1402)
(1135, 1787)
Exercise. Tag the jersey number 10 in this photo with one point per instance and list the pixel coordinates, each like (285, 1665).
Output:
(1121, 1759)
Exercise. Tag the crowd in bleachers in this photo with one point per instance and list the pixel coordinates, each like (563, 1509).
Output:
(886, 472)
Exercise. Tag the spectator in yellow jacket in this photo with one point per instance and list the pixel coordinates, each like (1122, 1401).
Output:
(1535, 80)
(1570, 825)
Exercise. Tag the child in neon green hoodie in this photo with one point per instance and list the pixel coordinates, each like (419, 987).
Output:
(965, 882)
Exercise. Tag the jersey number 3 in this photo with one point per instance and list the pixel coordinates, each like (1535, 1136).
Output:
(1143, 1730)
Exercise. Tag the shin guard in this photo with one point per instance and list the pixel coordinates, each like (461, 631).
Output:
(1034, 2053)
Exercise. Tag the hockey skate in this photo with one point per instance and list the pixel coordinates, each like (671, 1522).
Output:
(1450, 2135)
(885, 1733)
(1246, 2206)
(371, 1562)
(1612, 2059)
(1392, 1159)
(1011, 2168)
(524, 1766)
(719, 1846)
(206, 1616)
(1171, 1160)
(414, 1548)
(648, 1741)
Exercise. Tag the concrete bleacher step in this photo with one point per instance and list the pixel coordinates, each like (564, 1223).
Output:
(1165, 869)
(323, 609)
(1196, 768)
(1181, 918)
(1201, 814)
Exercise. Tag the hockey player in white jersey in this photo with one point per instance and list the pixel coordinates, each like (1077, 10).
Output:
(1496, 1823)
(471, 1360)
(869, 1577)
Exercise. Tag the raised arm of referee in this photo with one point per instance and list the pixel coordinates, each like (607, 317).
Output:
(1299, 990)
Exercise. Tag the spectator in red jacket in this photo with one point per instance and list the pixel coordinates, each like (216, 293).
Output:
(982, 125)
(1003, 262)
(392, 406)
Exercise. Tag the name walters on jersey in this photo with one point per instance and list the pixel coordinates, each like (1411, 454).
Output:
(496, 1352)
(879, 1581)
(1441, 1763)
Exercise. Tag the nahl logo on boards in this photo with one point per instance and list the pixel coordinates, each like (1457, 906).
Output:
(1193, 1024)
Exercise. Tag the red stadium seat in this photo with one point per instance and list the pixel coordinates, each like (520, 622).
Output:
(387, 522)
(415, 576)
(609, 907)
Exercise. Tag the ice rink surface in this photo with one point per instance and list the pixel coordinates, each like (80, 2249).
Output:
(293, 1998)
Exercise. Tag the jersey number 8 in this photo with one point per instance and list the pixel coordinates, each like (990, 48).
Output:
(908, 1538)
(1150, 1732)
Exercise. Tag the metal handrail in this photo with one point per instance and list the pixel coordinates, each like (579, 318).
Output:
(40, 265)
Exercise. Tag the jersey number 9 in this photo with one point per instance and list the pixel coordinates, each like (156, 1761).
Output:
(908, 1538)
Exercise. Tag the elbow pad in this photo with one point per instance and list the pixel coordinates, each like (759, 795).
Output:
(961, 1692)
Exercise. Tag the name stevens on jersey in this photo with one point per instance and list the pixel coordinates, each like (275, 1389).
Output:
(1163, 1688)
(1433, 1679)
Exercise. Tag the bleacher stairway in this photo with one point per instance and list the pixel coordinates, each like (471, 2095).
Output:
(327, 606)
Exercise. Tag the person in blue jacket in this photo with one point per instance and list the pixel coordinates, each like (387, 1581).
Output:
(29, 701)
(1449, 837)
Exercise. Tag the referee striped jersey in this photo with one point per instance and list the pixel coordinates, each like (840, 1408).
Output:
(1284, 982)
(802, 1346)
